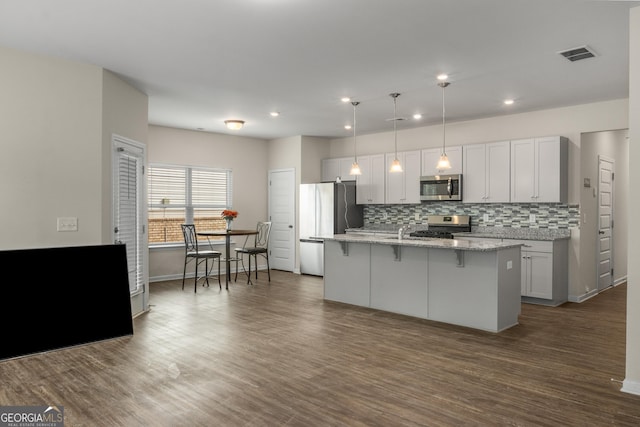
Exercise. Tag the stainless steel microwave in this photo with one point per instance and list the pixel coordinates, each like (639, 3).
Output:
(441, 187)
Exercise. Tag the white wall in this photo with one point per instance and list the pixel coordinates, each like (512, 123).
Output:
(53, 154)
(246, 157)
(125, 112)
(632, 376)
(313, 149)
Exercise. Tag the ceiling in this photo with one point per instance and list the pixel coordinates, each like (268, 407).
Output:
(204, 61)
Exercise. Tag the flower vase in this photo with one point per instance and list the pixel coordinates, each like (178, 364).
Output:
(229, 221)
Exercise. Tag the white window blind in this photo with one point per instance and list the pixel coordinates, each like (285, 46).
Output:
(182, 194)
(127, 219)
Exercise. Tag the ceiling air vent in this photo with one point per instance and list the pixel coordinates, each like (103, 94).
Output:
(577, 53)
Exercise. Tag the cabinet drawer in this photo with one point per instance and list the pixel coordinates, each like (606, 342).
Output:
(534, 245)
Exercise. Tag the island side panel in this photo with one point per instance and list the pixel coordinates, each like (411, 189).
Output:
(399, 279)
(347, 275)
(467, 295)
(509, 287)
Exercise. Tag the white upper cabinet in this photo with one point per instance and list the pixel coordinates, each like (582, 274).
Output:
(539, 170)
(370, 185)
(430, 157)
(485, 176)
(339, 167)
(403, 187)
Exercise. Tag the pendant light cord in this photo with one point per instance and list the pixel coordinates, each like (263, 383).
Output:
(355, 157)
(443, 85)
(395, 121)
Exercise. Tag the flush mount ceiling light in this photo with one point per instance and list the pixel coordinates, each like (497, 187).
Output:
(355, 169)
(274, 113)
(508, 102)
(395, 166)
(443, 163)
(234, 124)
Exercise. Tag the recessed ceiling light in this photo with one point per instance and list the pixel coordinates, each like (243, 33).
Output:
(274, 114)
(417, 116)
(508, 101)
(442, 77)
(345, 99)
(347, 127)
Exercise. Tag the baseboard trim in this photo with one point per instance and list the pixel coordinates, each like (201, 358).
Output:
(178, 276)
(632, 387)
(583, 298)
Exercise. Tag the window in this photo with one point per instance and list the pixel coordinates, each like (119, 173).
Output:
(185, 195)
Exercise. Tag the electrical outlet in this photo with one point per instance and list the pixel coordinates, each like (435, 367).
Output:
(485, 217)
(417, 216)
(69, 223)
(509, 265)
(532, 218)
(384, 215)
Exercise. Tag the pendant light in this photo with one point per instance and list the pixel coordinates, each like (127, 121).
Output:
(443, 163)
(355, 169)
(395, 166)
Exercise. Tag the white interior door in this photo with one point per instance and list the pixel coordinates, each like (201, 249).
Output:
(129, 215)
(605, 222)
(282, 193)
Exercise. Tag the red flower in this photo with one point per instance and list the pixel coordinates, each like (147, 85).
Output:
(229, 214)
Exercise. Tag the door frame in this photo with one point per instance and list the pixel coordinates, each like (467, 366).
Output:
(140, 297)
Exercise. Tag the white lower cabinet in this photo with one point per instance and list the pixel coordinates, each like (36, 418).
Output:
(544, 271)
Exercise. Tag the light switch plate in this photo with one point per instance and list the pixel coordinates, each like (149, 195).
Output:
(417, 216)
(485, 217)
(68, 223)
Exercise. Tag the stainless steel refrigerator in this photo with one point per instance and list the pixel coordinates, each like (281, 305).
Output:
(326, 209)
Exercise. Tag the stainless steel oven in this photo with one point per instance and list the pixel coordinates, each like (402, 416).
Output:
(441, 187)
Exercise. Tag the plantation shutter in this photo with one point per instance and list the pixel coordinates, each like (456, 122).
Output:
(127, 219)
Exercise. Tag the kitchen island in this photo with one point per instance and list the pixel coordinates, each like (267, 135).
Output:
(467, 283)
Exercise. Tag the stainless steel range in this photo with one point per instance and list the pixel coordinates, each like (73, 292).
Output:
(443, 226)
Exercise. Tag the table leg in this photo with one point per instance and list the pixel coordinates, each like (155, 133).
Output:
(228, 249)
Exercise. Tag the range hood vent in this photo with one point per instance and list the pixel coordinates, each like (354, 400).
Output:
(578, 53)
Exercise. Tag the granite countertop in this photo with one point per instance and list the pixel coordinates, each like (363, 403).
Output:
(434, 243)
(484, 232)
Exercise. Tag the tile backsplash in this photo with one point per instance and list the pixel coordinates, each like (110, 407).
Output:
(514, 215)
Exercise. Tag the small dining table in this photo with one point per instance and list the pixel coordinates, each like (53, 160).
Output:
(227, 235)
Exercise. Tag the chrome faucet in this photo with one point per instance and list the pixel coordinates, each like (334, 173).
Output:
(402, 230)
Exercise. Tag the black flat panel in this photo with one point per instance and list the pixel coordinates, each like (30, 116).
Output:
(61, 297)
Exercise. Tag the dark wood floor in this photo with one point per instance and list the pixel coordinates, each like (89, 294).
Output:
(277, 354)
